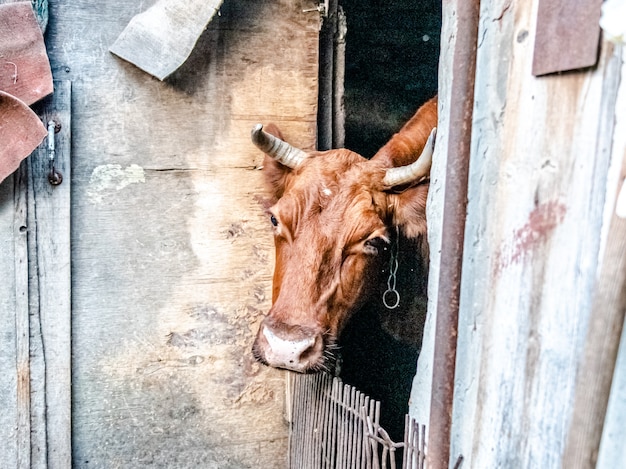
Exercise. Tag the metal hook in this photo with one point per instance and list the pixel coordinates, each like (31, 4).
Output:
(321, 8)
(54, 176)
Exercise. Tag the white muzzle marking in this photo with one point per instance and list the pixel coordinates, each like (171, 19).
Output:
(286, 353)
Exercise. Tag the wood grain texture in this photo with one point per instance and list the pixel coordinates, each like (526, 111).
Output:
(537, 188)
(8, 340)
(600, 377)
(21, 320)
(172, 253)
(36, 348)
(50, 278)
(612, 451)
(593, 384)
(421, 390)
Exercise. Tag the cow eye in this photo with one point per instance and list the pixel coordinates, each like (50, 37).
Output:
(376, 245)
(273, 220)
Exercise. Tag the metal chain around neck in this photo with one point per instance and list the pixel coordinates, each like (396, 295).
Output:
(391, 297)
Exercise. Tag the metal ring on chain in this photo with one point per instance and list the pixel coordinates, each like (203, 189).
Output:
(397, 299)
(393, 269)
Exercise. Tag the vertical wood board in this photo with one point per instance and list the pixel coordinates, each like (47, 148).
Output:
(597, 363)
(50, 279)
(171, 250)
(537, 188)
(21, 318)
(36, 265)
(10, 249)
(611, 452)
(419, 404)
(612, 449)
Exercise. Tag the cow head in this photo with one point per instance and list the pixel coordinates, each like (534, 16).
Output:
(334, 217)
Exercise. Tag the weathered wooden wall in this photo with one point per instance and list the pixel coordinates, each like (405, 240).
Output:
(171, 251)
(541, 149)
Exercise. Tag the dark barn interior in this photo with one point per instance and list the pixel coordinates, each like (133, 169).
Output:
(392, 53)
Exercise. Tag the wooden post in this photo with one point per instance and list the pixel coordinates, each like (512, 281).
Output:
(448, 297)
(593, 384)
(22, 328)
(327, 88)
(50, 288)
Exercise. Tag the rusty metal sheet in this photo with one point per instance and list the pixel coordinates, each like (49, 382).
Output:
(24, 67)
(567, 36)
(21, 132)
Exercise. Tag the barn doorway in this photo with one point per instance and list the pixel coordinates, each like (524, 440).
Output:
(385, 65)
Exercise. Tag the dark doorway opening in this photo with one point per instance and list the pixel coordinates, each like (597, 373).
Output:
(392, 56)
(391, 63)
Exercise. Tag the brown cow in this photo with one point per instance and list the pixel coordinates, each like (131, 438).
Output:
(336, 217)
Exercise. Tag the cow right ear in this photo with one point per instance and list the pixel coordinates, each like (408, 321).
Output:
(275, 173)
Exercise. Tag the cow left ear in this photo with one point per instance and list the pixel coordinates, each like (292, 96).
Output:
(409, 210)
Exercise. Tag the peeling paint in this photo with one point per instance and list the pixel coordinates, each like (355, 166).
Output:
(111, 177)
(536, 231)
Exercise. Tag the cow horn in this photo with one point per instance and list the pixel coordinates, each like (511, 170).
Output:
(276, 148)
(414, 171)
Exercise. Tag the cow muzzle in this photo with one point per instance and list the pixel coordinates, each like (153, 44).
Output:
(294, 348)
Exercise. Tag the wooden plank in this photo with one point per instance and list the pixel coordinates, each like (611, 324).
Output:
(327, 91)
(596, 373)
(172, 252)
(9, 247)
(22, 324)
(612, 450)
(598, 364)
(49, 213)
(537, 187)
(567, 35)
(421, 390)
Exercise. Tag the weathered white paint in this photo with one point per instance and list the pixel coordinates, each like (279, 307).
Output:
(538, 180)
(618, 148)
(9, 428)
(612, 448)
(612, 20)
(419, 404)
(536, 193)
(111, 177)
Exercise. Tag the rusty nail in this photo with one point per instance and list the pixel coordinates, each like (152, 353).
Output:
(55, 177)
(57, 127)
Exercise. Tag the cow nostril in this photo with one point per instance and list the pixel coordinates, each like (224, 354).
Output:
(309, 351)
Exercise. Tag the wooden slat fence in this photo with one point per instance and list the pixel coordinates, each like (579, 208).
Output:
(333, 425)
